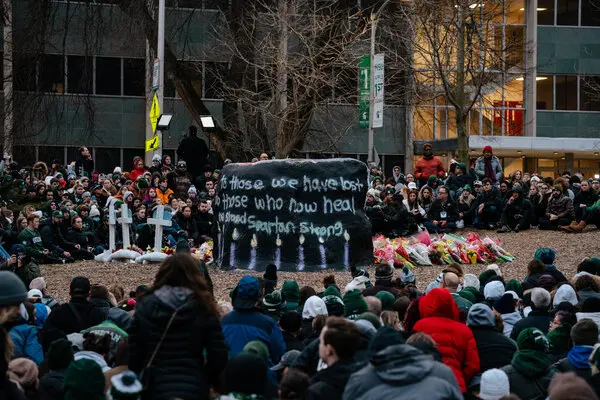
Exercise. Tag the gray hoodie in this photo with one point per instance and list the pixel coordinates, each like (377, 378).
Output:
(509, 321)
(402, 371)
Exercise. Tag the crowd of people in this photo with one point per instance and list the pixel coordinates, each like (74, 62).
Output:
(465, 336)
(480, 196)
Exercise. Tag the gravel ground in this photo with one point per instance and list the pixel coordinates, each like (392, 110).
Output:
(571, 250)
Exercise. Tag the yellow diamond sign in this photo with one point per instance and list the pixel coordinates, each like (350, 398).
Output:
(154, 113)
(152, 144)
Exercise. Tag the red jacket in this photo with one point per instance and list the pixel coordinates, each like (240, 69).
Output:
(454, 340)
(425, 168)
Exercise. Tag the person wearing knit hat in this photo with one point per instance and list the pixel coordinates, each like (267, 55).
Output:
(548, 256)
(559, 212)
(270, 278)
(356, 272)
(272, 304)
(125, 386)
(383, 281)
(354, 304)
(291, 327)
(493, 290)
(489, 166)
(485, 276)
(494, 385)
(59, 356)
(290, 291)
(259, 348)
(569, 386)
(530, 370)
(515, 286)
(428, 165)
(505, 306)
(471, 280)
(372, 318)
(387, 300)
(333, 301)
(547, 282)
(84, 380)
(246, 377)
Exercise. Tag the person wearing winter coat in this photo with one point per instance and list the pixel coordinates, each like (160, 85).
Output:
(428, 165)
(548, 256)
(180, 308)
(559, 212)
(402, 371)
(338, 344)
(584, 335)
(21, 264)
(518, 212)
(585, 198)
(530, 370)
(594, 380)
(538, 317)
(461, 178)
(24, 335)
(488, 166)
(443, 215)
(439, 319)
(246, 323)
(59, 356)
(488, 206)
(505, 307)
(139, 168)
(495, 350)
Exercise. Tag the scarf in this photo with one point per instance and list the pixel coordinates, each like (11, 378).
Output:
(559, 339)
(579, 355)
(489, 171)
(531, 363)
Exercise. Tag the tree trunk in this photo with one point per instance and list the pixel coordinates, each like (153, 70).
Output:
(460, 106)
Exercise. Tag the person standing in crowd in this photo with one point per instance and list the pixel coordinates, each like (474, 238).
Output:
(488, 166)
(138, 168)
(175, 336)
(194, 152)
(428, 165)
(180, 180)
(84, 166)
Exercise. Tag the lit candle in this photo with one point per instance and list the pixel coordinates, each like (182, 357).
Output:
(234, 236)
(253, 244)
(322, 250)
(278, 252)
(221, 245)
(347, 250)
(301, 253)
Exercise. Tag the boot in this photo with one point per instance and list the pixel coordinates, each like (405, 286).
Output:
(579, 228)
(568, 228)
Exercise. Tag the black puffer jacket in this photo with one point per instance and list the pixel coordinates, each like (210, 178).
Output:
(51, 386)
(495, 349)
(74, 316)
(329, 383)
(179, 369)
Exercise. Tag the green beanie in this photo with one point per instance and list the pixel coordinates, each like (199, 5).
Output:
(354, 304)
(532, 339)
(545, 255)
(332, 291)
(559, 339)
(141, 183)
(84, 380)
(515, 286)
(431, 179)
(387, 300)
(485, 276)
(372, 318)
(60, 354)
(290, 291)
(468, 295)
(259, 348)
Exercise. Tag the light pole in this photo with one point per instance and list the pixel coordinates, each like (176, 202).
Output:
(160, 54)
(374, 21)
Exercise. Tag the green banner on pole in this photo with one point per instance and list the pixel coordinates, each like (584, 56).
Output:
(364, 91)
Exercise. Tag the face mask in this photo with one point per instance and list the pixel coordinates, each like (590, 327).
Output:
(427, 153)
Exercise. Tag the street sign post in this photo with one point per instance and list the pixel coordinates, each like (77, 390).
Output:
(364, 81)
(154, 112)
(156, 74)
(378, 70)
(153, 143)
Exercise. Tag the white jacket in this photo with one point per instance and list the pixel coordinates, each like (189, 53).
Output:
(421, 210)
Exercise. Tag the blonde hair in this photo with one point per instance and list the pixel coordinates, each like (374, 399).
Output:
(390, 318)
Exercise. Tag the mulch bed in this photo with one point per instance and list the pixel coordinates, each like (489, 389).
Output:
(571, 249)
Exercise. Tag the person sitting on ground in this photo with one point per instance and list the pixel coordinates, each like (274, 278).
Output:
(450, 282)
(505, 307)
(559, 212)
(443, 215)
(383, 281)
(21, 264)
(535, 270)
(548, 256)
(539, 316)
(584, 335)
(517, 214)
(488, 206)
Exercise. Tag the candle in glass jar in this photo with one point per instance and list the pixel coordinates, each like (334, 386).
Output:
(253, 245)
(322, 251)
(301, 253)
(347, 250)
(278, 252)
(234, 237)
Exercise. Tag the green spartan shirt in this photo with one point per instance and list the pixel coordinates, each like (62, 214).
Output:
(32, 241)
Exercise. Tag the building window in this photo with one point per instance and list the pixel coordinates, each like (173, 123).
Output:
(108, 76)
(214, 74)
(79, 74)
(52, 74)
(567, 12)
(589, 92)
(50, 153)
(590, 13)
(545, 95)
(106, 159)
(566, 92)
(134, 76)
(24, 72)
(545, 12)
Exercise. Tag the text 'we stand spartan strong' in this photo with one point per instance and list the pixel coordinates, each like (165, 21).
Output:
(282, 201)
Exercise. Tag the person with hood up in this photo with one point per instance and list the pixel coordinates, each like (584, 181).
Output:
(84, 380)
(402, 371)
(290, 291)
(24, 335)
(538, 317)
(565, 292)
(439, 319)
(518, 212)
(180, 180)
(584, 335)
(559, 334)
(246, 323)
(461, 178)
(139, 168)
(270, 278)
(488, 166)
(495, 350)
(530, 370)
(428, 165)
(313, 307)
(548, 256)
(559, 212)
(505, 307)
(176, 330)
(59, 356)
(338, 344)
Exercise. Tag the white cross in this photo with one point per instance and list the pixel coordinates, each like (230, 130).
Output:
(125, 220)
(111, 227)
(158, 222)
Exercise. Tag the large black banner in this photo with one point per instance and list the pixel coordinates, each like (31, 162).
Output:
(301, 215)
